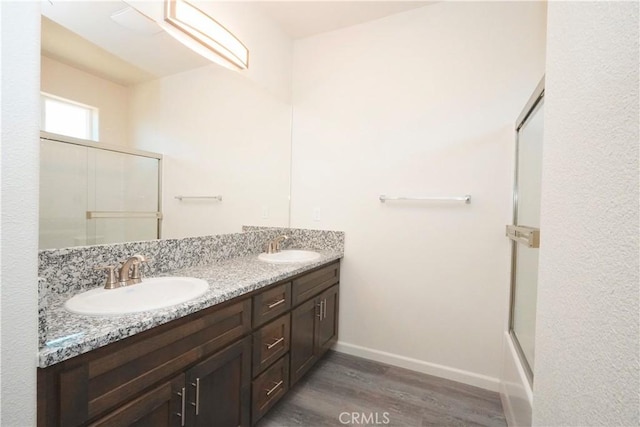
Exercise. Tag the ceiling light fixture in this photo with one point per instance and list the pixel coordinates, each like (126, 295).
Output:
(204, 35)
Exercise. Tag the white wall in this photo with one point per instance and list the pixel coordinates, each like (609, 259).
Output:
(222, 132)
(269, 47)
(421, 103)
(587, 353)
(20, 51)
(110, 98)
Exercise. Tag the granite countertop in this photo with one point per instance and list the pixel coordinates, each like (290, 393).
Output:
(71, 334)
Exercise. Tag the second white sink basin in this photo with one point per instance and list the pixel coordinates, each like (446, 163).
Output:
(151, 294)
(289, 256)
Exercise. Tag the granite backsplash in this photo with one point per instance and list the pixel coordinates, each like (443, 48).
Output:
(70, 270)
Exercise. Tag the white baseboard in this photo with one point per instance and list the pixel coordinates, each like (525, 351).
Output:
(507, 408)
(466, 377)
(515, 392)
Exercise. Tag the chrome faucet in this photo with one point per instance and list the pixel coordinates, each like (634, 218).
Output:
(274, 245)
(130, 270)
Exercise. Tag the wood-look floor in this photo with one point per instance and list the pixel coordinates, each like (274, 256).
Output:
(346, 384)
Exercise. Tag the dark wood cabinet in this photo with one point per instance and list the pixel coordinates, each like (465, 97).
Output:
(311, 284)
(327, 325)
(314, 329)
(213, 393)
(160, 407)
(271, 303)
(303, 338)
(95, 384)
(270, 343)
(218, 388)
(269, 387)
(224, 366)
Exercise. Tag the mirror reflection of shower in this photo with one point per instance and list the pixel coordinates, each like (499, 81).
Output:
(93, 193)
(527, 215)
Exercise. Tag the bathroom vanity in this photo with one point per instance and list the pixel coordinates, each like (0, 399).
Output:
(226, 365)
(223, 362)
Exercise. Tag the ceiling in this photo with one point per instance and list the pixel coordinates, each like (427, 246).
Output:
(83, 34)
(67, 47)
(301, 19)
(123, 55)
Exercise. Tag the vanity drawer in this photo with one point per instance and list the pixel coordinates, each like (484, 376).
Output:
(270, 304)
(269, 387)
(270, 343)
(312, 284)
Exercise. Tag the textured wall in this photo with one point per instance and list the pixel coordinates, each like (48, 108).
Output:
(420, 103)
(587, 353)
(20, 31)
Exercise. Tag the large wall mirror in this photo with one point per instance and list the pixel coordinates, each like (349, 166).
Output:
(146, 121)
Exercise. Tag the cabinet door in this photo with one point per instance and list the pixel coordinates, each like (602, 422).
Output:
(327, 326)
(303, 338)
(160, 407)
(218, 388)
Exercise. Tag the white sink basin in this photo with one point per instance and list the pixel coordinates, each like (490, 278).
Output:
(151, 294)
(289, 256)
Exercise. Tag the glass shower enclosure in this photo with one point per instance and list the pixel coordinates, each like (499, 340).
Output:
(92, 193)
(525, 231)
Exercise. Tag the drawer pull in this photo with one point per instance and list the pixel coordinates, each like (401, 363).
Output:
(275, 343)
(275, 387)
(321, 305)
(276, 303)
(182, 406)
(197, 402)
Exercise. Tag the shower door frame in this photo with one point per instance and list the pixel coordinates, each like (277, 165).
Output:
(117, 149)
(529, 108)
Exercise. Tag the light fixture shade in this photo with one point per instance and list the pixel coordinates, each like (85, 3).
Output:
(206, 32)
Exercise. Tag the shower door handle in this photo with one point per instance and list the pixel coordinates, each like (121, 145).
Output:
(528, 236)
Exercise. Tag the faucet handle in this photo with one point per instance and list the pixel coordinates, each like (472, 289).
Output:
(136, 277)
(112, 279)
